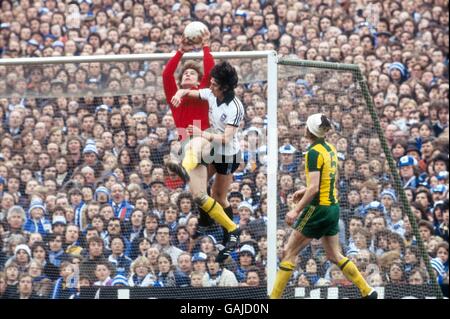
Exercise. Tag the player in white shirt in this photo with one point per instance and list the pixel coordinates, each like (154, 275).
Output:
(217, 149)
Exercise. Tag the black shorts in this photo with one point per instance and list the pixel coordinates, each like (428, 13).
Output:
(227, 165)
(224, 164)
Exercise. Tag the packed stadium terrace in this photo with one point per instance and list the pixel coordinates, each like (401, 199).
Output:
(83, 184)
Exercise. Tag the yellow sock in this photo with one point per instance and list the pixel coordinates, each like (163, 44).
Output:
(190, 160)
(352, 273)
(215, 210)
(283, 275)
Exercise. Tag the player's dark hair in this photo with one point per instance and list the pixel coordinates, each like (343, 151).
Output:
(226, 76)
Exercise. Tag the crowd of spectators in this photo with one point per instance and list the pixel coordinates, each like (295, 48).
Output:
(85, 196)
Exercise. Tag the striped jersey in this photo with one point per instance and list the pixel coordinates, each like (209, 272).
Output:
(229, 112)
(321, 157)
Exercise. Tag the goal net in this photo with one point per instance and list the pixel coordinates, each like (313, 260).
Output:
(84, 154)
(378, 228)
(81, 133)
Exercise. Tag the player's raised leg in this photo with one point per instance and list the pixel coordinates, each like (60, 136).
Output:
(205, 202)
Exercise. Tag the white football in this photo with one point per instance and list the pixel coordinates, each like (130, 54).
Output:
(193, 31)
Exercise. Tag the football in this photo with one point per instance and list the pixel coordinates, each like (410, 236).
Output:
(193, 31)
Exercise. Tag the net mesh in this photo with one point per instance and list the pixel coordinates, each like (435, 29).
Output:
(378, 230)
(101, 79)
(119, 110)
(87, 171)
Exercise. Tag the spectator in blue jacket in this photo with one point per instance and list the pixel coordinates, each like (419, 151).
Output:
(407, 165)
(36, 222)
(122, 208)
(117, 258)
(56, 254)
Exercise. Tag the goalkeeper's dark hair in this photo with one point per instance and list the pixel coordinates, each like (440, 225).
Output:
(226, 76)
(326, 124)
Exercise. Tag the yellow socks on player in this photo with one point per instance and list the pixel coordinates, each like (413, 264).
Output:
(352, 273)
(190, 160)
(283, 275)
(215, 210)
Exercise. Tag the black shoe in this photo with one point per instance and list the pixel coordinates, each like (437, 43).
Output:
(229, 247)
(200, 232)
(233, 239)
(179, 170)
(222, 256)
(372, 295)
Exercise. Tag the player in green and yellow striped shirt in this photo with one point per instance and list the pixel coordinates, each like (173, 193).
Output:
(316, 214)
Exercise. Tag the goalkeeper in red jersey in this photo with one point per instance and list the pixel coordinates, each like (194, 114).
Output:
(191, 77)
(192, 112)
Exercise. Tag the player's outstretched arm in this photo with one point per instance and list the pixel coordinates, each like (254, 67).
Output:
(208, 60)
(176, 99)
(169, 83)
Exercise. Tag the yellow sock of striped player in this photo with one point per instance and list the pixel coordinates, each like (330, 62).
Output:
(283, 275)
(352, 273)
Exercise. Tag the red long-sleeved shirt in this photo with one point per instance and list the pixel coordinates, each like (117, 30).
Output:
(190, 110)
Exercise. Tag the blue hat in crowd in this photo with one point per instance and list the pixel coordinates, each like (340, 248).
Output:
(436, 264)
(140, 113)
(442, 175)
(35, 205)
(375, 205)
(287, 149)
(407, 160)
(389, 192)
(58, 44)
(245, 204)
(111, 174)
(439, 189)
(302, 82)
(87, 1)
(2, 181)
(352, 252)
(90, 147)
(33, 42)
(50, 36)
(59, 220)
(200, 256)
(213, 239)
(422, 180)
(119, 280)
(240, 13)
(5, 25)
(102, 189)
(401, 67)
(247, 249)
(92, 81)
(102, 107)
(43, 10)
